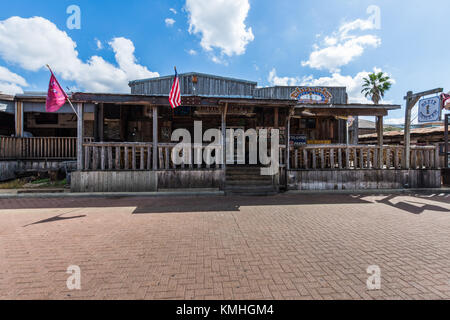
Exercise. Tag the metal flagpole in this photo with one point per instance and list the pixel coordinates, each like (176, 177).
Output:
(67, 97)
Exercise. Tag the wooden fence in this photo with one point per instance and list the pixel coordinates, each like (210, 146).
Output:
(140, 156)
(335, 157)
(12, 148)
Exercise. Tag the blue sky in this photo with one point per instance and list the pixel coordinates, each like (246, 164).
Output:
(299, 42)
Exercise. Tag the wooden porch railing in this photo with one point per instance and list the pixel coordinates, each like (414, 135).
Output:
(139, 156)
(335, 157)
(12, 148)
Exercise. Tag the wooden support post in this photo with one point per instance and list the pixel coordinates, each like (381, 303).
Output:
(288, 139)
(355, 139)
(96, 137)
(276, 118)
(155, 138)
(80, 135)
(19, 118)
(288, 145)
(446, 148)
(380, 138)
(101, 122)
(305, 158)
(124, 123)
(409, 105)
(224, 136)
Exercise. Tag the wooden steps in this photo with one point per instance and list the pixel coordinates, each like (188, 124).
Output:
(247, 180)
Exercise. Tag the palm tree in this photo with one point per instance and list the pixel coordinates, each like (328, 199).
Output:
(375, 86)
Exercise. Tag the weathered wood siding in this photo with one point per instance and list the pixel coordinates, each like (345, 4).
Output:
(339, 93)
(363, 179)
(7, 170)
(190, 179)
(111, 181)
(144, 181)
(207, 85)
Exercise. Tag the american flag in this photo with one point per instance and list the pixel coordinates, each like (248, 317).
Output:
(175, 93)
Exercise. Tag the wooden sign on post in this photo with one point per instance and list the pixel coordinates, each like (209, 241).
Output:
(411, 100)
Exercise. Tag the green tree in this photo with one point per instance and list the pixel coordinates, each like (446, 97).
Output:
(376, 86)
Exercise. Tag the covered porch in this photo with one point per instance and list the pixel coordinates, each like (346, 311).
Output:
(123, 143)
(324, 162)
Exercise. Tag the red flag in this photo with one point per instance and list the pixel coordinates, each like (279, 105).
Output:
(175, 93)
(56, 97)
(446, 101)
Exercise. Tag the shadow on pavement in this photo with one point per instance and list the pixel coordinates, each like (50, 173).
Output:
(414, 207)
(178, 204)
(54, 219)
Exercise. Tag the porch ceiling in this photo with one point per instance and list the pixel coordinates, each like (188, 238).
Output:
(133, 99)
(334, 109)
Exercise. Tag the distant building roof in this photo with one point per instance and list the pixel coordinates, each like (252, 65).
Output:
(418, 131)
(367, 124)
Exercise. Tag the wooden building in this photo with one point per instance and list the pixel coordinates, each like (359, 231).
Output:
(124, 140)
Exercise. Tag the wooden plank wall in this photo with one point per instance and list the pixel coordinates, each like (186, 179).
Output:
(190, 179)
(363, 179)
(107, 181)
(144, 181)
(339, 93)
(207, 85)
(8, 170)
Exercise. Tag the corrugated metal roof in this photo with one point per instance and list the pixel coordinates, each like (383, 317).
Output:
(6, 97)
(190, 74)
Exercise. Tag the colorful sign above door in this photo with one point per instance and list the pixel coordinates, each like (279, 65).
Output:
(312, 95)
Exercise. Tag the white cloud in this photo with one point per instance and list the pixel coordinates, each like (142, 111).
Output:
(170, 22)
(10, 88)
(221, 24)
(99, 44)
(274, 80)
(9, 76)
(18, 39)
(218, 60)
(353, 84)
(10, 82)
(192, 52)
(124, 53)
(341, 48)
(357, 24)
(173, 10)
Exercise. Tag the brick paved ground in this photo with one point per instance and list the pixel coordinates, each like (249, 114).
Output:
(282, 247)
